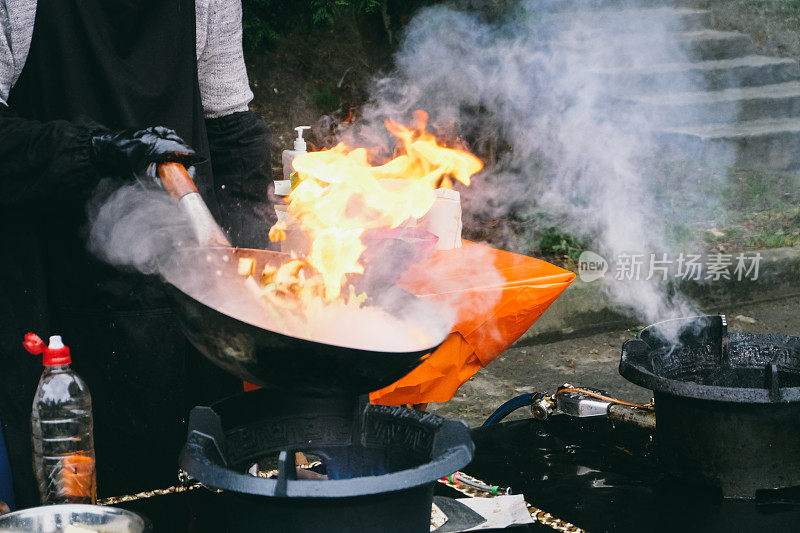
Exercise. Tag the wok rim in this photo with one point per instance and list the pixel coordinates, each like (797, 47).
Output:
(429, 349)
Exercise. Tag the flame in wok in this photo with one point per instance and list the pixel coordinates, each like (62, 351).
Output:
(341, 195)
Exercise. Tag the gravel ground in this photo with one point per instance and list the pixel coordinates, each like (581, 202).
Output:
(588, 361)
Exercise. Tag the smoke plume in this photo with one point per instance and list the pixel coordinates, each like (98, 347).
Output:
(539, 94)
(141, 228)
(136, 227)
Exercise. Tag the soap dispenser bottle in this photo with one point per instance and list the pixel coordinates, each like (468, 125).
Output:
(299, 149)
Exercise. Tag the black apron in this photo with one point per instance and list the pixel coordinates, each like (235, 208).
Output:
(123, 64)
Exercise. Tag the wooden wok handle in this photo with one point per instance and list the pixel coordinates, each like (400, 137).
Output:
(176, 180)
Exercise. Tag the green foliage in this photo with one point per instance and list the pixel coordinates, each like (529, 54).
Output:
(555, 242)
(768, 7)
(770, 238)
(266, 20)
(329, 10)
(634, 331)
(263, 21)
(734, 233)
(789, 5)
(256, 32)
(680, 235)
(326, 101)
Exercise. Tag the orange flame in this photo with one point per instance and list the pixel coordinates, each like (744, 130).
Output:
(341, 195)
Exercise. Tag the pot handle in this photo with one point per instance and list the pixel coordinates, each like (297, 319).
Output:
(176, 180)
(181, 188)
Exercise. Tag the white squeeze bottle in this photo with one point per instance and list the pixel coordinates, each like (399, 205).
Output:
(61, 423)
(299, 149)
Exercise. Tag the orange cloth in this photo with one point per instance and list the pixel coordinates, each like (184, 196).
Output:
(494, 309)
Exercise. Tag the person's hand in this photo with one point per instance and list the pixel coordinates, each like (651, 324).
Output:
(131, 152)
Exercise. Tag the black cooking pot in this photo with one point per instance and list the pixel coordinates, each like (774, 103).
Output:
(727, 406)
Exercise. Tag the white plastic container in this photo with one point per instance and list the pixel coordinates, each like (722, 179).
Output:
(299, 149)
(444, 219)
(282, 190)
(61, 424)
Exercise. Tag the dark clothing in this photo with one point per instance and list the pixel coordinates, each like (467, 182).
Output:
(241, 169)
(96, 65)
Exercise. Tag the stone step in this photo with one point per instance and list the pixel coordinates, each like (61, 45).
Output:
(557, 6)
(728, 105)
(738, 130)
(625, 51)
(768, 143)
(668, 18)
(746, 71)
(635, 20)
(712, 44)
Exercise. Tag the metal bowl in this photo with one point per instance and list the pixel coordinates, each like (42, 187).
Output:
(55, 519)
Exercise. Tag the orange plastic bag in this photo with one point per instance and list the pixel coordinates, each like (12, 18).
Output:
(494, 309)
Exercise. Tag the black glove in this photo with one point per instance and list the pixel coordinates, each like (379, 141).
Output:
(131, 152)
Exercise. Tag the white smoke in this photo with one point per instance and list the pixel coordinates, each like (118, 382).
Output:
(141, 228)
(543, 90)
(136, 227)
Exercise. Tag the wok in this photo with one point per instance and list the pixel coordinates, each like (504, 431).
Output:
(257, 352)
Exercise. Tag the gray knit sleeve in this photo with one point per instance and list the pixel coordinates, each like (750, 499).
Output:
(220, 63)
(16, 29)
(6, 59)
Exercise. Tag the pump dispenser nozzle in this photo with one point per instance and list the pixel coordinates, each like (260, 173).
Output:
(289, 155)
(300, 143)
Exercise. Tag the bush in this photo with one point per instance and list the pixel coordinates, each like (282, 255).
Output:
(555, 242)
(266, 20)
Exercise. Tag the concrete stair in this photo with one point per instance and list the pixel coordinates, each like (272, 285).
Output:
(572, 6)
(747, 71)
(750, 105)
(740, 104)
(771, 142)
(712, 44)
(674, 19)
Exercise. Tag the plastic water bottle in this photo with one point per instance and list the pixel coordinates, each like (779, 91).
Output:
(61, 422)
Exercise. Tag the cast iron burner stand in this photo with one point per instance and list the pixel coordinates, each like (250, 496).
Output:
(727, 405)
(381, 462)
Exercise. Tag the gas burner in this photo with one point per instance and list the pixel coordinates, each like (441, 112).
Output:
(381, 463)
(727, 405)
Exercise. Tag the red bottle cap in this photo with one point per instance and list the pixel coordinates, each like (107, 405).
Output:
(54, 355)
